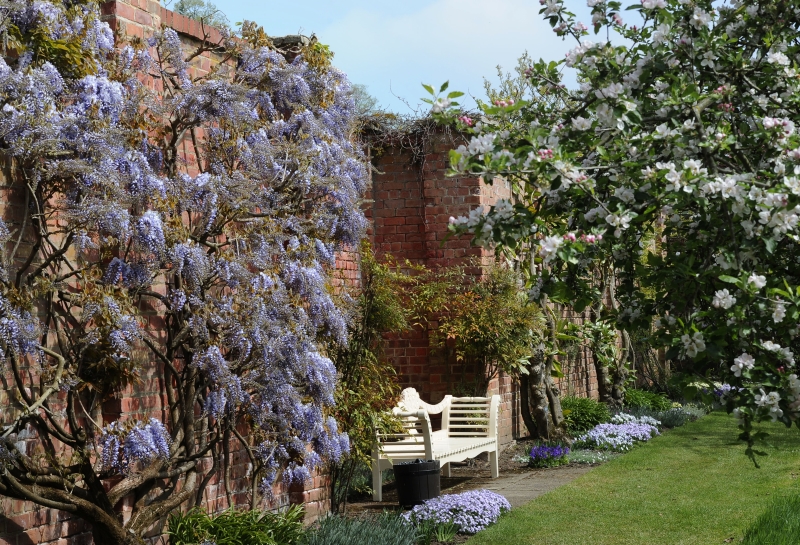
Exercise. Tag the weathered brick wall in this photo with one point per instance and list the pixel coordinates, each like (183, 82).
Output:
(580, 377)
(412, 202)
(24, 523)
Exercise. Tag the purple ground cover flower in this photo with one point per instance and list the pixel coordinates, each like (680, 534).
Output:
(548, 455)
(471, 511)
(617, 437)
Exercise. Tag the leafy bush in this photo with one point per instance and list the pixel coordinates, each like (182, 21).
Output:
(695, 411)
(582, 413)
(778, 525)
(385, 529)
(431, 530)
(548, 456)
(471, 511)
(673, 417)
(367, 387)
(234, 527)
(646, 400)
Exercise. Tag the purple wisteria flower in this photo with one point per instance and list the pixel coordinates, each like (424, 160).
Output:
(548, 455)
(123, 445)
(241, 249)
(470, 511)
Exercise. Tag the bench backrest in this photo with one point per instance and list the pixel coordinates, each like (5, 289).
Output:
(471, 416)
(461, 416)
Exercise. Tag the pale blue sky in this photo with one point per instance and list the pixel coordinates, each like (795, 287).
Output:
(392, 47)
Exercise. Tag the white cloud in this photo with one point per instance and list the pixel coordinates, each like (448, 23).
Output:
(459, 40)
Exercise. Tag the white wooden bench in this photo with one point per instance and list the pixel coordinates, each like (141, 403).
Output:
(469, 428)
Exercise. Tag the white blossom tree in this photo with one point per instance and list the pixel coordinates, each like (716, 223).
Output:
(675, 165)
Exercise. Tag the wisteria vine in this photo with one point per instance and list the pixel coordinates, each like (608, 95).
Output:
(186, 234)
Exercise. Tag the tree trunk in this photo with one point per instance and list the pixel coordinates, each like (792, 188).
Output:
(105, 535)
(552, 393)
(603, 380)
(539, 403)
(525, 402)
(554, 401)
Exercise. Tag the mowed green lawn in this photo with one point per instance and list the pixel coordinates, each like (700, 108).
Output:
(692, 485)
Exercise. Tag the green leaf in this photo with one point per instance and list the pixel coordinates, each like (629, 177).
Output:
(690, 392)
(444, 86)
(428, 88)
(455, 94)
(729, 279)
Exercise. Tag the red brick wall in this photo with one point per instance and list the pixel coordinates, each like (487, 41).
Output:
(580, 377)
(24, 523)
(412, 202)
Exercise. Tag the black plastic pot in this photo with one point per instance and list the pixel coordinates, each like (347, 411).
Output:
(417, 481)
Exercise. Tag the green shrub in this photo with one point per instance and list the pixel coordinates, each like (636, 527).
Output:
(695, 411)
(647, 400)
(385, 529)
(234, 527)
(582, 414)
(430, 531)
(674, 417)
(778, 525)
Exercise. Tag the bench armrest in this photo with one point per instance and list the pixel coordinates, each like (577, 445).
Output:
(494, 415)
(416, 426)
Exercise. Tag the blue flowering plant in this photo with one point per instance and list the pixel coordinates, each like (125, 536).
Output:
(620, 435)
(470, 511)
(178, 235)
(548, 456)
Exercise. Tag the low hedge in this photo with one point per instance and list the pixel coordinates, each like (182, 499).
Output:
(582, 414)
(643, 399)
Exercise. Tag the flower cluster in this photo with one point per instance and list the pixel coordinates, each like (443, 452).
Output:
(123, 445)
(619, 437)
(470, 511)
(625, 418)
(548, 456)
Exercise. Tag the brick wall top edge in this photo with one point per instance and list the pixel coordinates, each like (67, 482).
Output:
(180, 23)
(188, 26)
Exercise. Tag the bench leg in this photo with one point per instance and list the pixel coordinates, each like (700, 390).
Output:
(446, 470)
(493, 464)
(377, 480)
